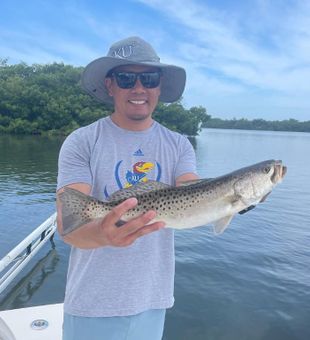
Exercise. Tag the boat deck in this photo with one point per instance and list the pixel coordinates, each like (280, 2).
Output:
(32, 323)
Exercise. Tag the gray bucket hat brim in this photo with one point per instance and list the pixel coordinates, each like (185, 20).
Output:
(132, 51)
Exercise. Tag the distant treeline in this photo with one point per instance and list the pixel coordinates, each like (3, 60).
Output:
(258, 124)
(36, 99)
(48, 99)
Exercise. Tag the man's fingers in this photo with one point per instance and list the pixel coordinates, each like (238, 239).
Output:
(131, 238)
(131, 230)
(137, 223)
(117, 212)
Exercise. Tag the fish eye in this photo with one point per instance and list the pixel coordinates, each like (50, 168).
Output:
(267, 169)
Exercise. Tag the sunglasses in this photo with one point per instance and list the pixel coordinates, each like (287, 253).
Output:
(127, 80)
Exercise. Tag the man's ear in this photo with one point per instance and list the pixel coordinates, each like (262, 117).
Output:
(108, 85)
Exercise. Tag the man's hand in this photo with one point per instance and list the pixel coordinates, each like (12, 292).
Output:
(105, 231)
(110, 234)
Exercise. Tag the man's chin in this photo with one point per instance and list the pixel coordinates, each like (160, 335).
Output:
(139, 117)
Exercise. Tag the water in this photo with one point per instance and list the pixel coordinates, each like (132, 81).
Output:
(252, 282)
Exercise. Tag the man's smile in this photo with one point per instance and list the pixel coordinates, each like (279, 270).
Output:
(138, 102)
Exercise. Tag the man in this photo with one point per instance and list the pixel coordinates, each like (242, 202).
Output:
(120, 279)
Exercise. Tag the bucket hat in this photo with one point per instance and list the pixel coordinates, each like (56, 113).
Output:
(132, 51)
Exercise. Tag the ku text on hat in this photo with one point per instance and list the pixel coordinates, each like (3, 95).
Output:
(123, 52)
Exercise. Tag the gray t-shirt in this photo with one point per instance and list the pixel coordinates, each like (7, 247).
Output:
(116, 281)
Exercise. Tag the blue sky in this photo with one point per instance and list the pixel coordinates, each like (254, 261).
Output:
(244, 59)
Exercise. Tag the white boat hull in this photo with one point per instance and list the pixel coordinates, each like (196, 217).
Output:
(32, 323)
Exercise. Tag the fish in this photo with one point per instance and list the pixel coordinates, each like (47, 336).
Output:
(195, 203)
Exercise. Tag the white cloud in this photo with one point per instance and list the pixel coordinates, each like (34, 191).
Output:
(239, 55)
(262, 48)
(42, 44)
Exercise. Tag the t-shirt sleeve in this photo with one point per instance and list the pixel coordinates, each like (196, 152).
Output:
(74, 161)
(187, 158)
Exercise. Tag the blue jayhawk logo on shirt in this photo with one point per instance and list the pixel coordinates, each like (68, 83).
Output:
(138, 173)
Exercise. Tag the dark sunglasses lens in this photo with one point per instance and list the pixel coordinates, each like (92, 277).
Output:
(150, 80)
(125, 80)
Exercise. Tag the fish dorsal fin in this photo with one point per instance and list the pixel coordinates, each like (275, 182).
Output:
(220, 225)
(138, 189)
(194, 181)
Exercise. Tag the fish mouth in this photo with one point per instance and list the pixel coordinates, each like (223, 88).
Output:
(279, 172)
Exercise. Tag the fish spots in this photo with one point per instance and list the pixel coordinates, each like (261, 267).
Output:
(180, 207)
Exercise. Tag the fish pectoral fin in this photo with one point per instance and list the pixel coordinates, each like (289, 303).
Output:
(220, 225)
(264, 198)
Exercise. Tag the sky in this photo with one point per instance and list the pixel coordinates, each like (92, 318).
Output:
(243, 59)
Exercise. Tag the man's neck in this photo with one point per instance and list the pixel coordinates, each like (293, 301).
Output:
(132, 124)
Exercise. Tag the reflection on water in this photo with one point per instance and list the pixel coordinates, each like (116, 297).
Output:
(22, 292)
(28, 167)
(28, 172)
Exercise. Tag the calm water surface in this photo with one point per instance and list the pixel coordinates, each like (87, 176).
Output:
(252, 282)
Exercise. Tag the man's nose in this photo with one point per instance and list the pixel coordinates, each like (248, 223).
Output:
(138, 87)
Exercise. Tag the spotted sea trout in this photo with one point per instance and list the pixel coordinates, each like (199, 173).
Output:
(201, 202)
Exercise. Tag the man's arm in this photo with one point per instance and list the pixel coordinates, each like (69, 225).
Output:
(104, 232)
(186, 177)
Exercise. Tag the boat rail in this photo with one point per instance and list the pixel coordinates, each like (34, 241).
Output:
(14, 262)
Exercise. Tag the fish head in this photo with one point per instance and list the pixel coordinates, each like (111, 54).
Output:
(255, 182)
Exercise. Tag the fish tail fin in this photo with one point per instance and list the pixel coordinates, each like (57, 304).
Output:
(74, 209)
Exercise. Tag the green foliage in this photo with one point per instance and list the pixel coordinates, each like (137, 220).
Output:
(48, 99)
(44, 99)
(258, 124)
(177, 118)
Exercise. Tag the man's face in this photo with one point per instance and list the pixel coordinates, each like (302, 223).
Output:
(137, 103)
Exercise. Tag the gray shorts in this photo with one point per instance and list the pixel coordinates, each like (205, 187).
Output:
(148, 325)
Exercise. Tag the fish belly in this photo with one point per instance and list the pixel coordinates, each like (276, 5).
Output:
(199, 214)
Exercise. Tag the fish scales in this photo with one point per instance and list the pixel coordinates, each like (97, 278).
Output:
(193, 204)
